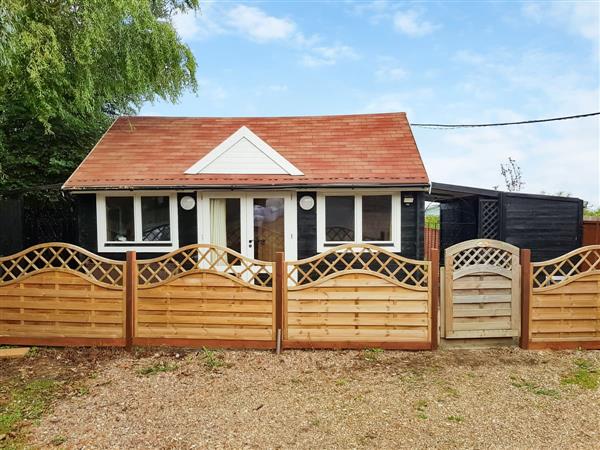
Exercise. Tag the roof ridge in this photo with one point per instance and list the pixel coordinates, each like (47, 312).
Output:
(321, 116)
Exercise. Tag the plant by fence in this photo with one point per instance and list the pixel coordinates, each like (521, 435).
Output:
(564, 297)
(60, 294)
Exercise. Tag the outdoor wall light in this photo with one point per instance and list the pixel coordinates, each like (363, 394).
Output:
(307, 202)
(408, 200)
(187, 202)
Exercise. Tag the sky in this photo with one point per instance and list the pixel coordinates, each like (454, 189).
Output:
(440, 62)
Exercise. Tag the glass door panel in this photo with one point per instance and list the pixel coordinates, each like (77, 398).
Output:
(269, 227)
(225, 223)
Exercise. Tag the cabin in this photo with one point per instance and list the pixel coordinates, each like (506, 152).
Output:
(259, 186)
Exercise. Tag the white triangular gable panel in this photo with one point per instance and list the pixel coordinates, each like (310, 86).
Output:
(244, 153)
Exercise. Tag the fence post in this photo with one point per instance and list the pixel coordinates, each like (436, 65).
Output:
(130, 295)
(435, 296)
(525, 296)
(280, 288)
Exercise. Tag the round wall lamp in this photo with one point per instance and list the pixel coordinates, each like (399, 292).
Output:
(187, 202)
(307, 202)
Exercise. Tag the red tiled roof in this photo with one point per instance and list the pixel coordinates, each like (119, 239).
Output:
(368, 149)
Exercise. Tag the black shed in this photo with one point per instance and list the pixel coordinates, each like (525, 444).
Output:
(548, 225)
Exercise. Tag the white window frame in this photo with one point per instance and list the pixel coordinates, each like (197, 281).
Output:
(138, 245)
(394, 244)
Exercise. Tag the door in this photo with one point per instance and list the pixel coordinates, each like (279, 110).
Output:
(257, 225)
(482, 290)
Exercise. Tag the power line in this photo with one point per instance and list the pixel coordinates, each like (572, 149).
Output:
(500, 124)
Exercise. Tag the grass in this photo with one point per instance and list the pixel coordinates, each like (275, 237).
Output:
(212, 359)
(585, 375)
(372, 354)
(157, 368)
(457, 419)
(26, 404)
(421, 407)
(533, 387)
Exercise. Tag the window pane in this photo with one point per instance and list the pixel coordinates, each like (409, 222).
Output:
(119, 219)
(377, 217)
(339, 218)
(225, 223)
(155, 219)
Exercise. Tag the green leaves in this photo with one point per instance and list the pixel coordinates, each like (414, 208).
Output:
(69, 66)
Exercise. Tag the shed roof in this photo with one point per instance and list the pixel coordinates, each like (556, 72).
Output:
(349, 150)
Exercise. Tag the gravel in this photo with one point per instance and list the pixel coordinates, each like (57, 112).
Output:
(501, 398)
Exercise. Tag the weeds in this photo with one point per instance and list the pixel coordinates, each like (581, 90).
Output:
(533, 388)
(421, 407)
(212, 359)
(157, 368)
(58, 440)
(457, 419)
(341, 382)
(372, 354)
(585, 375)
(26, 403)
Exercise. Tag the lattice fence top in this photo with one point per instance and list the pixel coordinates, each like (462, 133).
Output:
(561, 270)
(67, 257)
(488, 219)
(362, 257)
(481, 252)
(199, 258)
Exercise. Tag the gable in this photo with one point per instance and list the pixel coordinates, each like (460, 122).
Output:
(243, 153)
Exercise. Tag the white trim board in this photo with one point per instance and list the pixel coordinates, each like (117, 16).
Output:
(244, 153)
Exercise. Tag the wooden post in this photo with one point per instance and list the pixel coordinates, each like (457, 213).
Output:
(280, 292)
(130, 296)
(525, 296)
(435, 296)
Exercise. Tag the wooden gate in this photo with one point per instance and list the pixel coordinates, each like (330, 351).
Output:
(482, 290)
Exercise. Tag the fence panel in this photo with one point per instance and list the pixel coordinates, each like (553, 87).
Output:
(565, 301)
(60, 294)
(357, 296)
(205, 295)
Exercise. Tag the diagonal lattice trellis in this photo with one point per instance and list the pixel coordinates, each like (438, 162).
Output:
(61, 256)
(488, 219)
(489, 256)
(359, 257)
(201, 257)
(555, 272)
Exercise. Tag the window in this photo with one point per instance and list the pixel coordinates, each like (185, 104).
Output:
(369, 217)
(377, 218)
(141, 222)
(339, 218)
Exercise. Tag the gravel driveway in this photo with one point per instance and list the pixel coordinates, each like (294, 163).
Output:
(504, 398)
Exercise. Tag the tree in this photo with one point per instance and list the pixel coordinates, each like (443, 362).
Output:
(512, 176)
(69, 67)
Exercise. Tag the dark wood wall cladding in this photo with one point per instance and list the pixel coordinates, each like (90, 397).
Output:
(549, 226)
(86, 214)
(412, 216)
(307, 228)
(11, 224)
(188, 222)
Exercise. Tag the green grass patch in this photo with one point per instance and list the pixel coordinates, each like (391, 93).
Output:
(26, 403)
(533, 387)
(212, 359)
(157, 368)
(457, 419)
(372, 354)
(421, 407)
(585, 375)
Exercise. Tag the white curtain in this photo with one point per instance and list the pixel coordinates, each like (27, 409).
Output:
(218, 222)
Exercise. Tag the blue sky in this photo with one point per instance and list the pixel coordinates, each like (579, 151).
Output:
(443, 62)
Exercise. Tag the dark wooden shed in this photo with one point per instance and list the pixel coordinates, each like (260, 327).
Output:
(548, 225)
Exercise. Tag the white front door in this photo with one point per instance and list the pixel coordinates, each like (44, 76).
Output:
(255, 224)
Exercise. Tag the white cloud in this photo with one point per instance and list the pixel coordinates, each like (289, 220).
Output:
(410, 23)
(259, 26)
(579, 17)
(328, 55)
(198, 25)
(389, 70)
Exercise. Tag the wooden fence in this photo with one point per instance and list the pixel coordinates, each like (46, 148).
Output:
(562, 301)
(60, 294)
(591, 231)
(205, 295)
(431, 241)
(357, 296)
